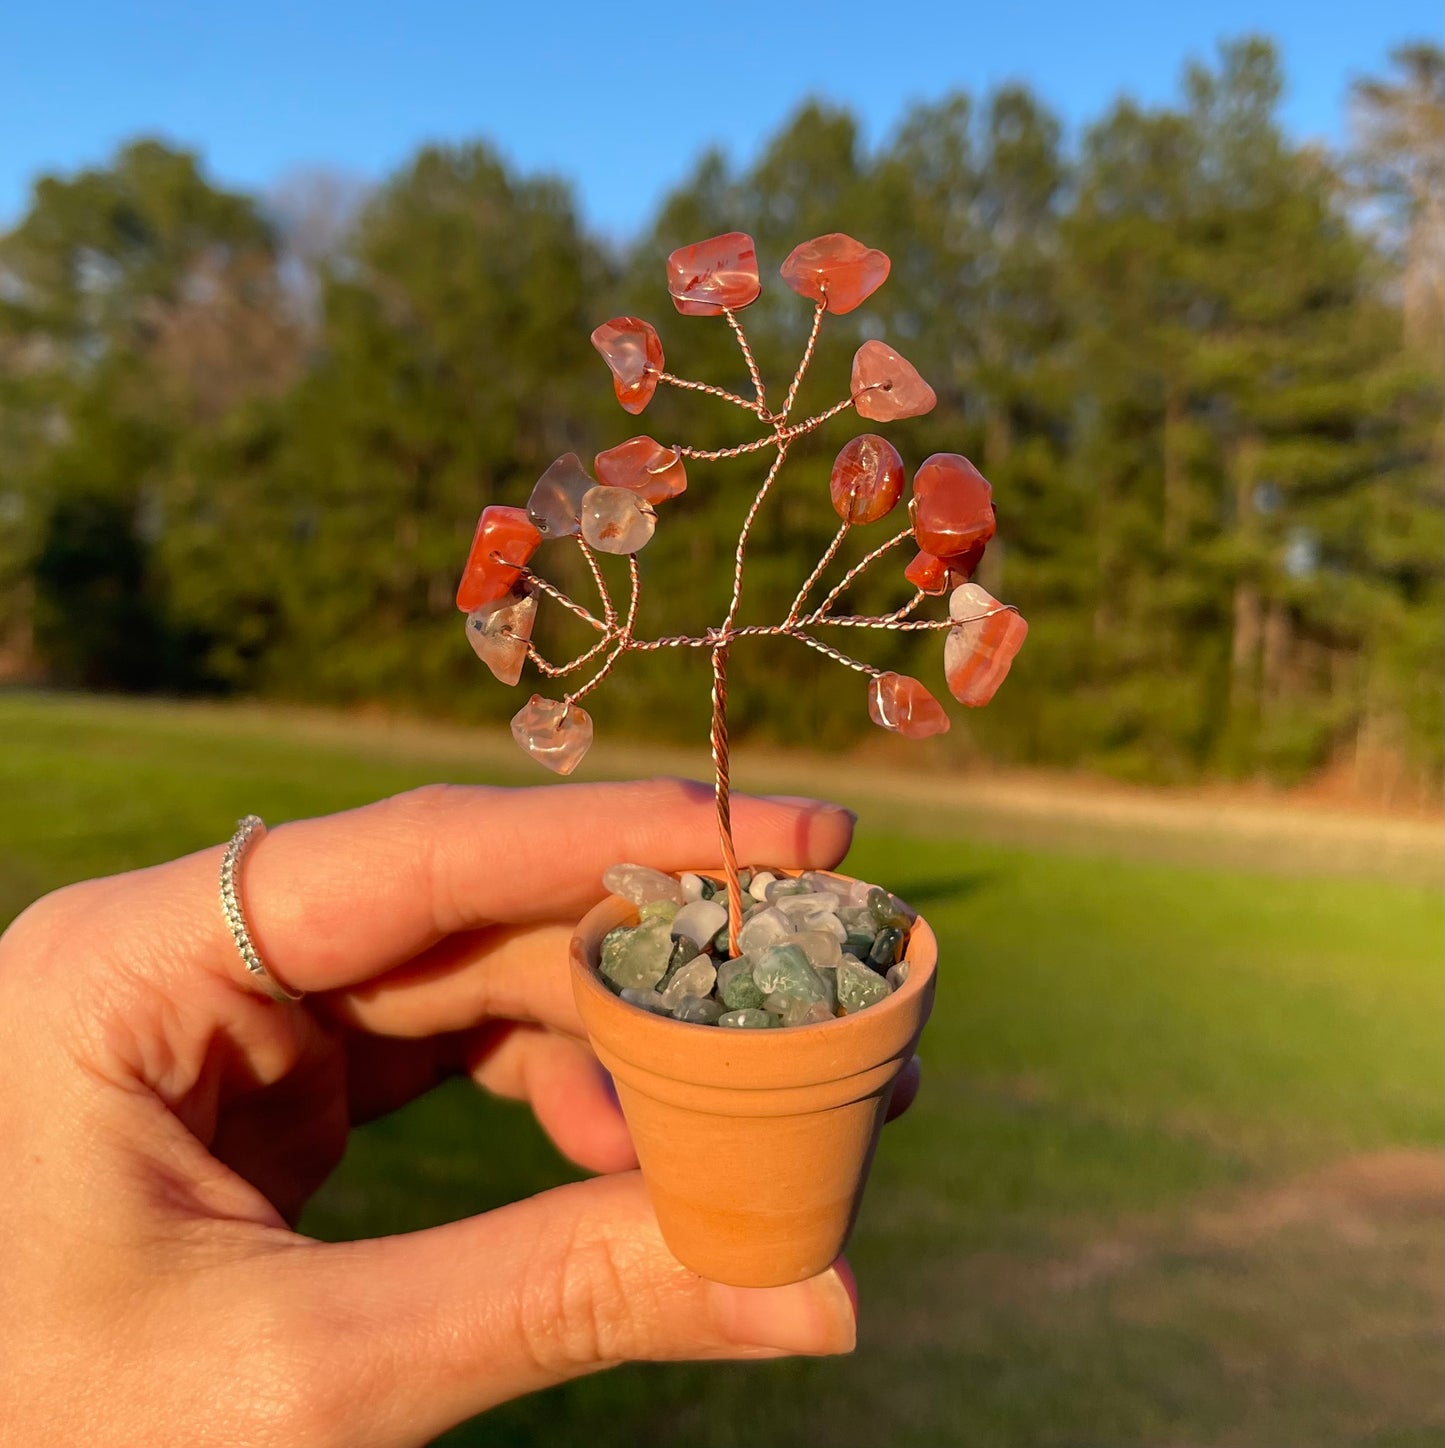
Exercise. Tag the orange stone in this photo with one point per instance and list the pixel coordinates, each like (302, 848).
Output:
(887, 387)
(835, 270)
(867, 479)
(903, 705)
(927, 573)
(952, 506)
(979, 652)
(505, 539)
(713, 276)
(633, 350)
(646, 467)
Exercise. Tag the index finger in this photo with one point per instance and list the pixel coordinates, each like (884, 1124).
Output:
(337, 900)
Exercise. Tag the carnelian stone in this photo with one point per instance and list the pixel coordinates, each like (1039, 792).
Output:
(887, 387)
(713, 276)
(505, 539)
(903, 705)
(927, 573)
(836, 270)
(633, 350)
(867, 479)
(952, 506)
(980, 651)
(654, 472)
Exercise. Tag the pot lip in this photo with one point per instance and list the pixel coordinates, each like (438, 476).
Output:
(645, 1027)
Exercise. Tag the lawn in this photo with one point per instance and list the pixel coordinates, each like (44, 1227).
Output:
(1174, 1179)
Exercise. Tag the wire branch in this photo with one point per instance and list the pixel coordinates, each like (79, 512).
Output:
(552, 591)
(689, 386)
(829, 554)
(843, 583)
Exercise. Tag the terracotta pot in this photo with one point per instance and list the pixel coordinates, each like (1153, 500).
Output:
(755, 1145)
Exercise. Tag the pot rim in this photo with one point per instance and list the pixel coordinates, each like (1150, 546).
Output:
(837, 1046)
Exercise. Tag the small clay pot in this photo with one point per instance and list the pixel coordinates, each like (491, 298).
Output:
(754, 1144)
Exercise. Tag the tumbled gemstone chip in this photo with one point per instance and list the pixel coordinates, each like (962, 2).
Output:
(927, 573)
(555, 734)
(556, 502)
(713, 276)
(499, 632)
(934, 575)
(505, 539)
(980, 651)
(867, 479)
(952, 506)
(616, 520)
(903, 705)
(633, 350)
(655, 473)
(836, 270)
(641, 884)
(887, 387)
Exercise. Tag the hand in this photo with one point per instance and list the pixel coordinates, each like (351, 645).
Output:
(162, 1124)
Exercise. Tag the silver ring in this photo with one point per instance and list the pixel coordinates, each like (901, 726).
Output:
(248, 831)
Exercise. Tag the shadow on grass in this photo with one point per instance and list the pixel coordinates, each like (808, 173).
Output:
(930, 891)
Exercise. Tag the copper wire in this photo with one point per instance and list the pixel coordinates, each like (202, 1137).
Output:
(722, 791)
(552, 591)
(689, 386)
(854, 571)
(828, 556)
(597, 577)
(754, 376)
(806, 358)
(624, 636)
(798, 429)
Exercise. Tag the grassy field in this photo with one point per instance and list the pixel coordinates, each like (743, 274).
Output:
(1175, 1177)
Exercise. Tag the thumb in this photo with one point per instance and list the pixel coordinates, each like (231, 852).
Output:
(443, 1324)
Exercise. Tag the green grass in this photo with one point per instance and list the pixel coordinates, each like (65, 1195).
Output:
(1075, 1238)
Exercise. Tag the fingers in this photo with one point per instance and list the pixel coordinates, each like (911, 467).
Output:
(444, 1324)
(905, 1088)
(517, 973)
(335, 901)
(569, 1093)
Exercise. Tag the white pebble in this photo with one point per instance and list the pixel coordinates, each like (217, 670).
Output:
(698, 921)
(767, 927)
(641, 884)
(696, 978)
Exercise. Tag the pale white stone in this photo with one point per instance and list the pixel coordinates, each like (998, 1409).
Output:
(699, 921)
(968, 601)
(616, 520)
(641, 884)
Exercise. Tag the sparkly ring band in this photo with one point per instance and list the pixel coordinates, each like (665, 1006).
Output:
(248, 831)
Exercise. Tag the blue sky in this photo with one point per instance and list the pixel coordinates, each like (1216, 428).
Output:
(620, 98)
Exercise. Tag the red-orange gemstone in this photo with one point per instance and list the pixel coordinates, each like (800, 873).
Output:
(835, 270)
(927, 573)
(642, 464)
(867, 479)
(887, 387)
(979, 652)
(505, 539)
(633, 350)
(952, 506)
(711, 276)
(903, 705)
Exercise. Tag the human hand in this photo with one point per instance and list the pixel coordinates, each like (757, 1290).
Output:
(162, 1124)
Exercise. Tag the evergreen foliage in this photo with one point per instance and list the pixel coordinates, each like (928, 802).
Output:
(1200, 363)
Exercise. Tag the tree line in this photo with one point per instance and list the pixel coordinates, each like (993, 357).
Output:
(244, 440)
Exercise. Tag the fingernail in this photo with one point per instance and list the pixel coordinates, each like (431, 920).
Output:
(815, 806)
(813, 1318)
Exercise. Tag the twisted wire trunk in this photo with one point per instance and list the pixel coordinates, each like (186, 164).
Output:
(722, 790)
